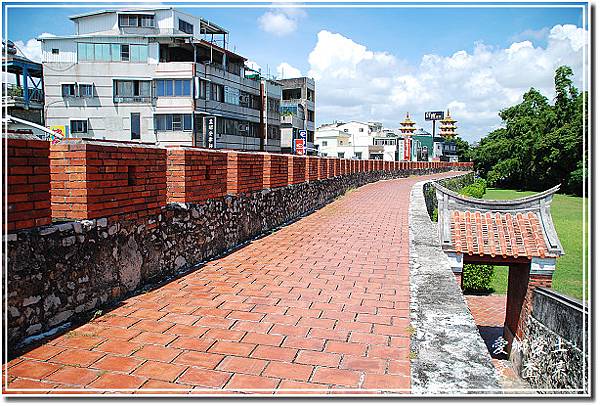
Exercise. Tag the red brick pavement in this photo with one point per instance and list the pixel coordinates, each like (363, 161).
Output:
(487, 310)
(319, 306)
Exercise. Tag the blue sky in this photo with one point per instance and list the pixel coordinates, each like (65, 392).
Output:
(405, 33)
(408, 32)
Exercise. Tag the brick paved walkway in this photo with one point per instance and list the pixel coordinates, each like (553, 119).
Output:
(320, 305)
(487, 310)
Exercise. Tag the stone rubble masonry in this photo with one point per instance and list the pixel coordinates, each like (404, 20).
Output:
(141, 214)
(113, 180)
(28, 189)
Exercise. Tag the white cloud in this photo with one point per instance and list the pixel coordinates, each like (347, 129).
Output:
(286, 71)
(32, 49)
(354, 82)
(282, 21)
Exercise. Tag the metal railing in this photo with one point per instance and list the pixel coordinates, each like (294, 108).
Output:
(17, 93)
(132, 99)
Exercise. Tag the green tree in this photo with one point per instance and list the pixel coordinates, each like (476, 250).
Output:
(462, 150)
(540, 144)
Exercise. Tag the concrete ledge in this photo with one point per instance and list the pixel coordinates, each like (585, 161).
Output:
(448, 354)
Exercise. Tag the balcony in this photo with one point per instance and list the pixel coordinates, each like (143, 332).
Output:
(292, 121)
(218, 71)
(132, 99)
(15, 97)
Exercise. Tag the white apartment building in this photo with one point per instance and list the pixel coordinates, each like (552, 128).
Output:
(151, 75)
(297, 112)
(359, 140)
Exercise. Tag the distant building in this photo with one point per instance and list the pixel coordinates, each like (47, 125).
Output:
(407, 129)
(153, 75)
(359, 140)
(297, 112)
(430, 147)
(448, 133)
(270, 115)
(23, 85)
(23, 95)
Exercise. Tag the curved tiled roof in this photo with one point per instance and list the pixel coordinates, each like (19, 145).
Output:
(497, 228)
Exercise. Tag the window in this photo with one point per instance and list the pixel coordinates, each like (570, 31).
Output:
(217, 92)
(186, 27)
(131, 91)
(311, 115)
(202, 84)
(272, 104)
(102, 52)
(170, 87)
(340, 154)
(86, 90)
(358, 155)
(291, 94)
(125, 53)
(232, 95)
(112, 52)
(173, 122)
(68, 89)
(55, 51)
(273, 132)
(138, 53)
(324, 143)
(177, 122)
(79, 126)
(345, 130)
(135, 126)
(136, 20)
(146, 21)
(249, 100)
(361, 130)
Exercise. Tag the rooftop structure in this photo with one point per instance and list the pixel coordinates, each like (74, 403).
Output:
(24, 87)
(153, 75)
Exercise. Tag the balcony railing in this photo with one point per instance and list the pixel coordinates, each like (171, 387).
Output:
(132, 99)
(17, 93)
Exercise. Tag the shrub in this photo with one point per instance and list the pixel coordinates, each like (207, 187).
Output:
(477, 278)
(476, 189)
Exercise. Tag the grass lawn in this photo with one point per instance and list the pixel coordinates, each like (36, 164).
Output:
(567, 216)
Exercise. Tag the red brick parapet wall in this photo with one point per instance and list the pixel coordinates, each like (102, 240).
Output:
(100, 179)
(87, 179)
(27, 190)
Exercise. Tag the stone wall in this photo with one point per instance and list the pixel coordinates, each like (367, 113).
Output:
(454, 183)
(448, 356)
(62, 273)
(551, 355)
